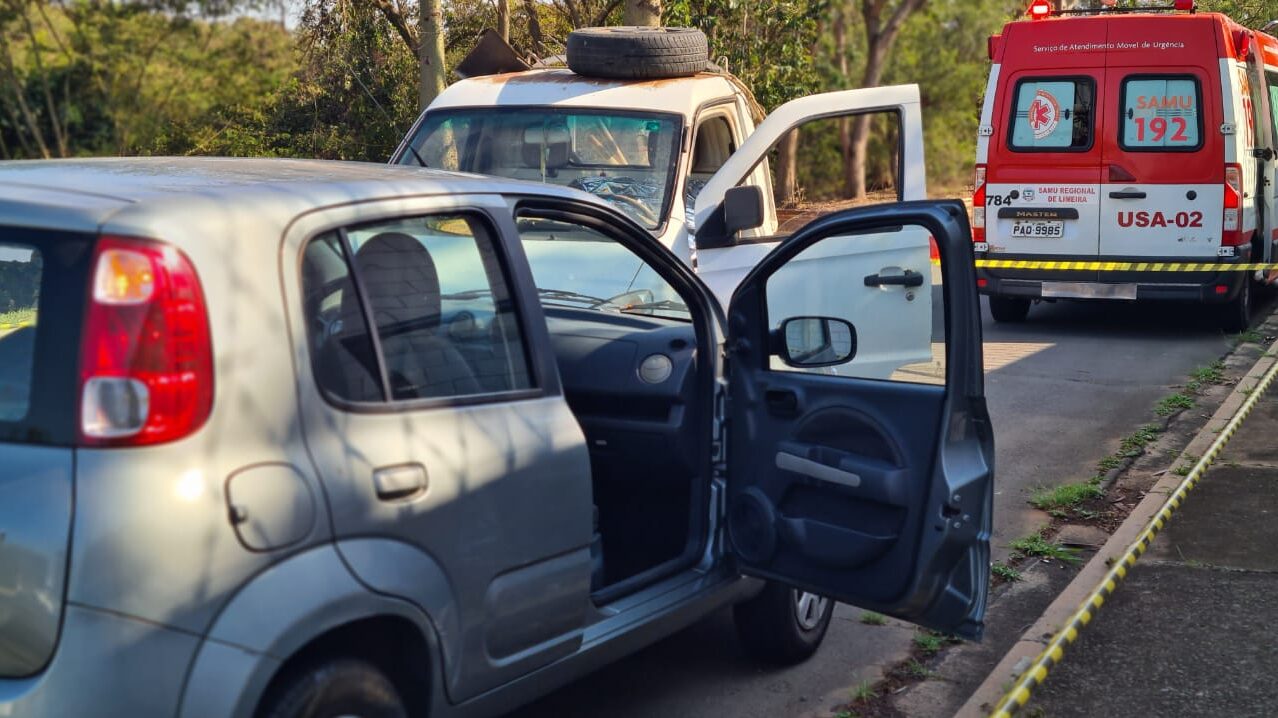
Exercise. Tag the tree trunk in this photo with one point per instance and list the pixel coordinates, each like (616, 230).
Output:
(431, 53)
(534, 28)
(787, 181)
(860, 135)
(642, 12)
(879, 36)
(503, 19)
(840, 32)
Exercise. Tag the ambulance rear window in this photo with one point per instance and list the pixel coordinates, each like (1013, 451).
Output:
(1161, 113)
(1052, 114)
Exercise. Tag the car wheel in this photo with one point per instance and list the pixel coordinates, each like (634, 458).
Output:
(336, 689)
(1009, 309)
(1235, 315)
(783, 625)
(637, 53)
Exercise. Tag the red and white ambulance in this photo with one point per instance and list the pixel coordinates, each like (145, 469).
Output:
(1129, 137)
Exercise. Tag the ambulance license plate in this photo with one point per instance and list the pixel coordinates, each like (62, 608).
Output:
(1045, 229)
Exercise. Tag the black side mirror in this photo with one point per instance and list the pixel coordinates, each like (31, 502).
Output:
(808, 342)
(1263, 153)
(742, 208)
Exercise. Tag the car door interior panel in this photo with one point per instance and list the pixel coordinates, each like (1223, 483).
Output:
(642, 434)
(844, 477)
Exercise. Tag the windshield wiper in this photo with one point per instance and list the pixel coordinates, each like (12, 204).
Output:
(569, 296)
(468, 294)
(662, 304)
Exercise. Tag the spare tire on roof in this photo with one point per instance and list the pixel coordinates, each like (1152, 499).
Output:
(637, 53)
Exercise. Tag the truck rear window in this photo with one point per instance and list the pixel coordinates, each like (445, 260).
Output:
(1161, 113)
(1052, 115)
(42, 280)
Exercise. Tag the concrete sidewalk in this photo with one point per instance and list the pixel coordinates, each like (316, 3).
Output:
(1191, 632)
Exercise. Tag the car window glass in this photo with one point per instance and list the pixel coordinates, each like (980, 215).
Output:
(891, 300)
(445, 320)
(20, 274)
(446, 325)
(577, 267)
(813, 167)
(1161, 113)
(1053, 114)
(342, 354)
(1272, 79)
(627, 158)
(711, 148)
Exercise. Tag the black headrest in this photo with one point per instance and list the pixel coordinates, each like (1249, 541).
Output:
(399, 278)
(553, 140)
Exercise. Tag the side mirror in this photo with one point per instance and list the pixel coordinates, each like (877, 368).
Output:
(808, 342)
(742, 209)
(1263, 153)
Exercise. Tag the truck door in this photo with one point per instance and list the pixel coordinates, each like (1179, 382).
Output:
(894, 316)
(876, 491)
(1162, 195)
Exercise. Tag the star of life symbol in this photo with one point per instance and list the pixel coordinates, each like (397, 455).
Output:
(1044, 115)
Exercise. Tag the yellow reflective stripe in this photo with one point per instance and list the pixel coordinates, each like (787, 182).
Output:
(1076, 266)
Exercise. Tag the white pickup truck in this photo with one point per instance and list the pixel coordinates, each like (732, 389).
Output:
(640, 119)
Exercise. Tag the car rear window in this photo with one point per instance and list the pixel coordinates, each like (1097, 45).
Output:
(42, 279)
(1053, 115)
(1161, 113)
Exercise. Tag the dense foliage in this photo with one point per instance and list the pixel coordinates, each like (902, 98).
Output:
(19, 284)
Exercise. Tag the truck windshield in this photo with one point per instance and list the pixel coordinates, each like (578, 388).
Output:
(627, 158)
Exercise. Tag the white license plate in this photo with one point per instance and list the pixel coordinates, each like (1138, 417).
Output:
(1047, 229)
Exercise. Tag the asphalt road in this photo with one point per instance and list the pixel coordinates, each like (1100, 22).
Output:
(1063, 389)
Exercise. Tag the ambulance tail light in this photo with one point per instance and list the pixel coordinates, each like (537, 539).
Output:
(1231, 229)
(978, 205)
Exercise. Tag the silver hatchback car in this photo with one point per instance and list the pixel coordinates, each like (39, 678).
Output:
(291, 438)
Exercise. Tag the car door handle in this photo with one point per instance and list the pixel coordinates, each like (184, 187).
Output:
(394, 483)
(1127, 195)
(909, 279)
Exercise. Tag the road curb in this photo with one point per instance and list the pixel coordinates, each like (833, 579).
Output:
(1058, 614)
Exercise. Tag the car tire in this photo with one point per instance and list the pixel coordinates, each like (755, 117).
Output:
(637, 53)
(1009, 309)
(1235, 315)
(783, 626)
(339, 687)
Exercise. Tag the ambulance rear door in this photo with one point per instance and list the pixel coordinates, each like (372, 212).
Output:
(1164, 154)
(1043, 158)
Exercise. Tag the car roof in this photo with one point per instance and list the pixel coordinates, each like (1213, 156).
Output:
(557, 86)
(82, 194)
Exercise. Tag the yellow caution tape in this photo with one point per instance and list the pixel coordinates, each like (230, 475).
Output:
(1121, 266)
(1019, 694)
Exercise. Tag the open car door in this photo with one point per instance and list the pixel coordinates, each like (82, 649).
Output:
(874, 490)
(736, 225)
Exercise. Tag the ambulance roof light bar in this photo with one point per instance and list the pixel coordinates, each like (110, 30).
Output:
(1042, 9)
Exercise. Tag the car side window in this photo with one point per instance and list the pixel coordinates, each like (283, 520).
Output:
(435, 293)
(712, 147)
(885, 321)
